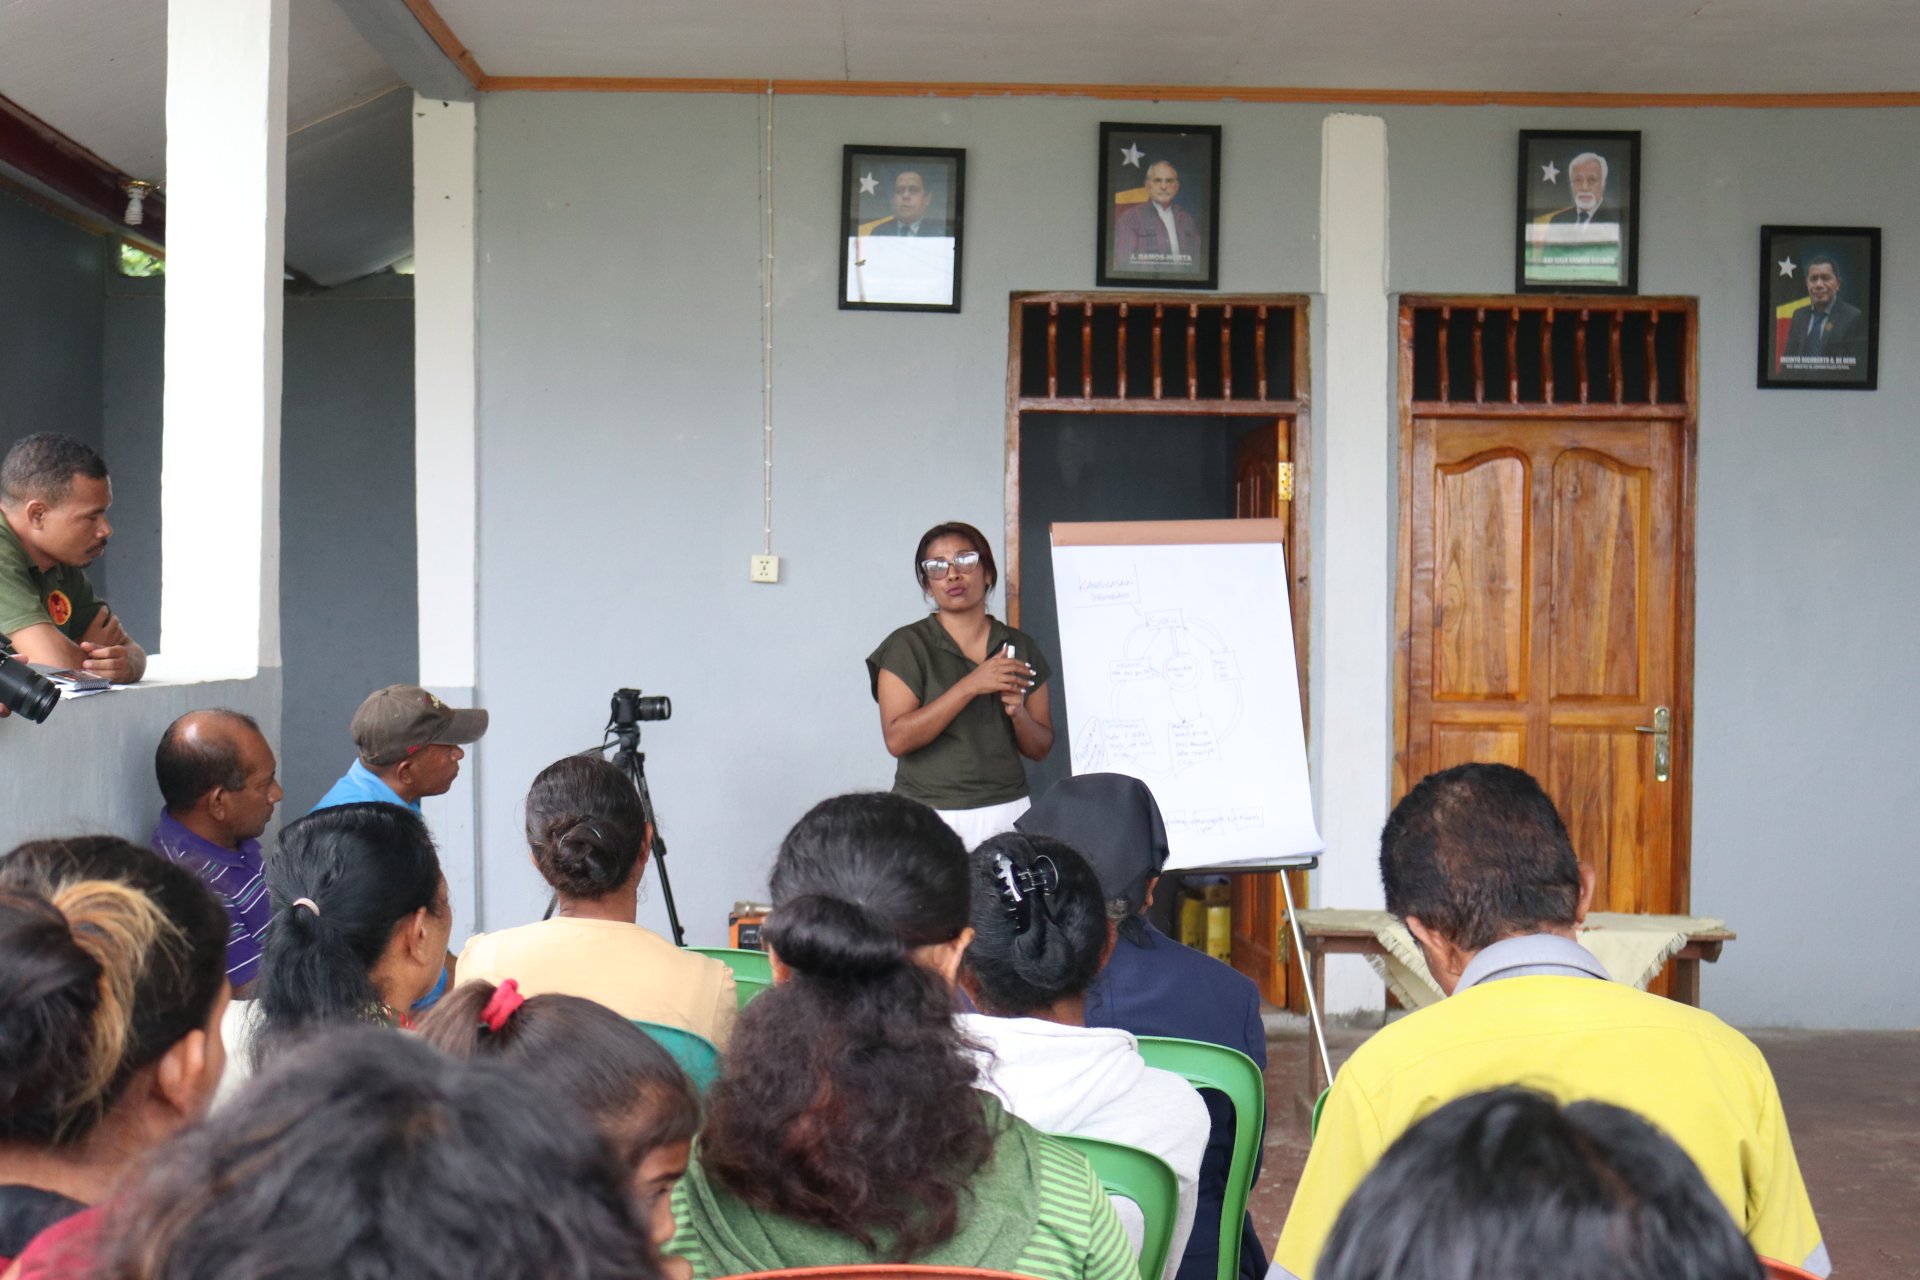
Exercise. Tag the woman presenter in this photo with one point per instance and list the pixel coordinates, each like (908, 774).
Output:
(962, 695)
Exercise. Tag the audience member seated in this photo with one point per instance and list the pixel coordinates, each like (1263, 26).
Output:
(359, 932)
(589, 836)
(1154, 986)
(111, 989)
(637, 1096)
(216, 775)
(845, 1127)
(1040, 934)
(54, 495)
(1508, 1183)
(409, 746)
(1476, 862)
(368, 1154)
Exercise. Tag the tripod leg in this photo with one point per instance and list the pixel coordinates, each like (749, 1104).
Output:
(666, 891)
(635, 763)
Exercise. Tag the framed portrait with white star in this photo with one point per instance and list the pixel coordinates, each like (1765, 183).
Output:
(1159, 205)
(1820, 308)
(900, 228)
(1578, 225)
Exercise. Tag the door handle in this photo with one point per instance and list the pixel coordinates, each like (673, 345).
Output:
(1662, 731)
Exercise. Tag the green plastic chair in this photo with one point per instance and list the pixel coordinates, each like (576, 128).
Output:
(752, 972)
(1213, 1066)
(695, 1053)
(1145, 1179)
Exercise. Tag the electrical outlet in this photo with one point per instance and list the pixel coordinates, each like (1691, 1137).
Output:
(764, 568)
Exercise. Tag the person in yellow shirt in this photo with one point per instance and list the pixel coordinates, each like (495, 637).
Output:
(1477, 863)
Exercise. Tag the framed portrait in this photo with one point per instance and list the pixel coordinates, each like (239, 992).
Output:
(1820, 308)
(1578, 225)
(900, 228)
(1160, 205)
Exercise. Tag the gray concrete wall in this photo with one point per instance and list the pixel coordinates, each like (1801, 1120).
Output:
(620, 467)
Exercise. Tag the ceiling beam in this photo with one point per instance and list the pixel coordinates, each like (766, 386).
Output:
(36, 150)
(417, 43)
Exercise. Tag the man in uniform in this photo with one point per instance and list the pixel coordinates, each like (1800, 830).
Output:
(54, 495)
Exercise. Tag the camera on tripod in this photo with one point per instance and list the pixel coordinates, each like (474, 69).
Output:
(630, 706)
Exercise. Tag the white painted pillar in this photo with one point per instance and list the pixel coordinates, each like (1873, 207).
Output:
(445, 466)
(1353, 653)
(220, 456)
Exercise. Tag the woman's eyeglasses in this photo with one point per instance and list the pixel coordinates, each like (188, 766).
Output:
(936, 569)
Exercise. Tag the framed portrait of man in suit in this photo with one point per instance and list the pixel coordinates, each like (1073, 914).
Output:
(900, 223)
(1820, 308)
(1159, 205)
(1578, 225)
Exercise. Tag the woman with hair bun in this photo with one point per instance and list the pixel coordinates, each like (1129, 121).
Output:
(846, 1127)
(112, 985)
(636, 1095)
(589, 836)
(1040, 934)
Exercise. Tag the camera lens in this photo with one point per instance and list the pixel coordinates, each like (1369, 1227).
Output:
(655, 707)
(27, 692)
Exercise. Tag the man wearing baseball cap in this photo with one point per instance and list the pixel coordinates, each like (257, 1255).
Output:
(409, 743)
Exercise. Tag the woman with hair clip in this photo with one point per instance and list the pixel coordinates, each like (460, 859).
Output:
(636, 1095)
(963, 696)
(112, 984)
(589, 836)
(846, 1127)
(377, 1158)
(359, 933)
(1040, 934)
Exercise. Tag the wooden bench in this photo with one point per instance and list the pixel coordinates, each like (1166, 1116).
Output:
(1323, 941)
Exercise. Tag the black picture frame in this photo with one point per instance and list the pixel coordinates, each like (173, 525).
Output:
(1555, 248)
(882, 269)
(1134, 248)
(1844, 353)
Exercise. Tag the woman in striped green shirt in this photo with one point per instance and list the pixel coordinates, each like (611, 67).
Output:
(846, 1128)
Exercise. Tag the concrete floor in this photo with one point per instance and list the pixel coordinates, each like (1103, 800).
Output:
(1853, 1105)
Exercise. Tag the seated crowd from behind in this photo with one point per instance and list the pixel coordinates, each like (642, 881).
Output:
(845, 1127)
(1477, 864)
(54, 495)
(1040, 934)
(112, 987)
(589, 837)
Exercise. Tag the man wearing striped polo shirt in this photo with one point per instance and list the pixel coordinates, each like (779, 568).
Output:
(216, 773)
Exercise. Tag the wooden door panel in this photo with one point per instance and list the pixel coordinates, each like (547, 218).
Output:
(1599, 780)
(1465, 743)
(1600, 543)
(1480, 597)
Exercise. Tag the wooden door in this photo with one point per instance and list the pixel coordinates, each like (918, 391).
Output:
(1259, 908)
(1546, 627)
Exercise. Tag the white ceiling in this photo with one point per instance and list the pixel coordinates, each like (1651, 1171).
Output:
(1633, 46)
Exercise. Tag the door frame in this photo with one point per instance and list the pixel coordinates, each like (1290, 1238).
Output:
(1683, 417)
(1176, 321)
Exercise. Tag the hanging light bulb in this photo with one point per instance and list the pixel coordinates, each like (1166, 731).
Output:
(137, 193)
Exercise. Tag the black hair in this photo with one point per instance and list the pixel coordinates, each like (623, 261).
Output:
(374, 1156)
(847, 1099)
(955, 529)
(1819, 258)
(1479, 853)
(109, 956)
(586, 826)
(1510, 1183)
(188, 768)
(1039, 924)
(365, 868)
(582, 1051)
(43, 466)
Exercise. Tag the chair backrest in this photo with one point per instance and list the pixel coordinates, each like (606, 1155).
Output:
(882, 1271)
(696, 1054)
(1784, 1271)
(1213, 1066)
(1143, 1178)
(752, 973)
